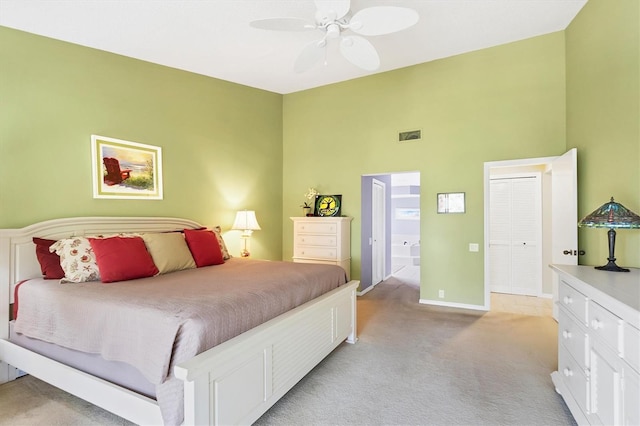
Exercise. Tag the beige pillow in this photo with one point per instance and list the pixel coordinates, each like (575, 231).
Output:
(169, 251)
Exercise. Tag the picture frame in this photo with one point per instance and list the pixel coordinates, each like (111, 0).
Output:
(451, 202)
(125, 170)
(328, 205)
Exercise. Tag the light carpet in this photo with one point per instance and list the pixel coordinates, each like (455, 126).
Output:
(413, 365)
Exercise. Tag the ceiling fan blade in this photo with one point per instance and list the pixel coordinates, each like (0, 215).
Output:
(379, 20)
(310, 55)
(360, 52)
(283, 24)
(331, 9)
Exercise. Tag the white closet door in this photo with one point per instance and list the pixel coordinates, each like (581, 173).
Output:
(514, 235)
(500, 236)
(525, 228)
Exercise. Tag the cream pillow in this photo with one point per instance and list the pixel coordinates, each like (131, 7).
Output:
(169, 251)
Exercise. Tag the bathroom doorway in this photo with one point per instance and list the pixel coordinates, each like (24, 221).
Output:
(390, 233)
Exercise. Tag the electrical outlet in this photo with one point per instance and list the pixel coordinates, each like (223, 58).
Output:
(474, 247)
(441, 294)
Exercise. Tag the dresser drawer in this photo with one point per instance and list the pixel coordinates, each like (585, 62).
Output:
(572, 300)
(315, 253)
(575, 379)
(316, 240)
(574, 338)
(631, 339)
(315, 228)
(606, 326)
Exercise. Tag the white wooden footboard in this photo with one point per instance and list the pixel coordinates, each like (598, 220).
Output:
(238, 381)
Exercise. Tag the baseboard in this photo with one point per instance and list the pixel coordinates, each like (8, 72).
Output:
(366, 290)
(453, 305)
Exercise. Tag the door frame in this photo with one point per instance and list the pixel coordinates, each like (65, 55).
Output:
(526, 162)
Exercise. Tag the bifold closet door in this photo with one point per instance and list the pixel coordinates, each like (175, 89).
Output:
(514, 235)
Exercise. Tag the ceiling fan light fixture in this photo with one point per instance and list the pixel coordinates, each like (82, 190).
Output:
(333, 31)
(332, 17)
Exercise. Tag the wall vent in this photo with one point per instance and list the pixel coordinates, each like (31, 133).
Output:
(410, 135)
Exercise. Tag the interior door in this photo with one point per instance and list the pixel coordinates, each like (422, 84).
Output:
(564, 213)
(377, 231)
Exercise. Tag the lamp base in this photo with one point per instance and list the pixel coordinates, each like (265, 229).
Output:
(611, 266)
(244, 253)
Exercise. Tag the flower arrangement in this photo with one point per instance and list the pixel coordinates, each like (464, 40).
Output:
(309, 195)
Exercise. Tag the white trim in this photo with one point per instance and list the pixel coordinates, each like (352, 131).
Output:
(366, 290)
(453, 305)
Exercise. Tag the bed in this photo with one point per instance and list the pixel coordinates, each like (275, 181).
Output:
(233, 382)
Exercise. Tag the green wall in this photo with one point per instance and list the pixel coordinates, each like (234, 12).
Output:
(221, 142)
(501, 103)
(603, 118)
(228, 147)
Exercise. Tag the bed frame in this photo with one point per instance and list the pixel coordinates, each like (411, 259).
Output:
(233, 383)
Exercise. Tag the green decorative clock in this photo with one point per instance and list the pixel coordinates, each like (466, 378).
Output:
(328, 205)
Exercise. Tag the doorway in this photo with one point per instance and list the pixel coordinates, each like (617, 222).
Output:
(515, 233)
(390, 232)
(558, 217)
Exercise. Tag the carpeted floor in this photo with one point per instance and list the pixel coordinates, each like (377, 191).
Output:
(413, 365)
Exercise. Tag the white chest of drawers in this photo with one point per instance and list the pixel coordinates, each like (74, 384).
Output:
(323, 240)
(599, 344)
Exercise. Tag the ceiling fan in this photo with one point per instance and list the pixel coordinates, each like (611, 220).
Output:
(333, 19)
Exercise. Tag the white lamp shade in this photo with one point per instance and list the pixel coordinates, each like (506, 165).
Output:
(246, 221)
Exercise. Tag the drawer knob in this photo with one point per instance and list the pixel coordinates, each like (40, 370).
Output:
(596, 324)
(566, 334)
(567, 300)
(567, 372)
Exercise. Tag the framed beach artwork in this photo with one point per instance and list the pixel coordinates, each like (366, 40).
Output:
(125, 170)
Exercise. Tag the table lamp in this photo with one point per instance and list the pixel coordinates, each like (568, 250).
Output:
(247, 223)
(611, 215)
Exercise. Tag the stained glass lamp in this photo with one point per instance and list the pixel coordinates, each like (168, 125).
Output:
(611, 215)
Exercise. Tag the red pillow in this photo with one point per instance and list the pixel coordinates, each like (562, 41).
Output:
(49, 262)
(204, 247)
(121, 259)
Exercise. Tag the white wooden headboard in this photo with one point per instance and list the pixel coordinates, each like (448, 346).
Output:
(18, 259)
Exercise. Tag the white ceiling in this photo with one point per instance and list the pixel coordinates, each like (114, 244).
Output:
(213, 37)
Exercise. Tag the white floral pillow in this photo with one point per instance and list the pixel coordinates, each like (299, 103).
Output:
(76, 259)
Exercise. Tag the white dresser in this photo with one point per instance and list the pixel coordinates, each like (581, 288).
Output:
(599, 344)
(323, 240)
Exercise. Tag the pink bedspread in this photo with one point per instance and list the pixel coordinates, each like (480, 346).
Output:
(156, 323)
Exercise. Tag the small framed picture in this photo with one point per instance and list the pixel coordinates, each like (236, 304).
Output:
(451, 202)
(328, 205)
